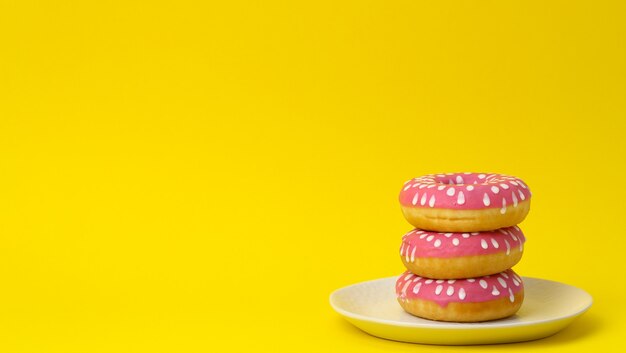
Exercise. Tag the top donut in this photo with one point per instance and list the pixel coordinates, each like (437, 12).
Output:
(465, 202)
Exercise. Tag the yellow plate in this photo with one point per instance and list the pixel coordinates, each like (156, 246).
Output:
(548, 308)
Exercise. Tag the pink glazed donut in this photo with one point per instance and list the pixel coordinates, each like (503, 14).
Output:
(464, 202)
(462, 300)
(461, 255)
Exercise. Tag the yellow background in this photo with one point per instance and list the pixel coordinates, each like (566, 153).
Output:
(199, 176)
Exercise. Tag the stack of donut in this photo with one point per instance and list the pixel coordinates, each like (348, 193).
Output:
(465, 241)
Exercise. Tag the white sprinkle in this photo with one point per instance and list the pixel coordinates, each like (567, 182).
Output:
(508, 247)
(408, 276)
(471, 280)
(438, 289)
(474, 233)
(465, 235)
(495, 189)
(515, 282)
(521, 195)
(451, 281)
(406, 285)
(503, 209)
(486, 200)
(417, 287)
(407, 187)
(415, 185)
(511, 296)
(431, 186)
(503, 274)
(419, 231)
(414, 201)
(481, 176)
(494, 243)
(437, 243)
(462, 294)
(423, 200)
(495, 291)
(402, 250)
(483, 283)
(429, 281)
(450, 291)
(504, 186)
(423, 236)
(413, 254)
(513, 236)
(430, 238)
(483, 244)
(521, 184)
(513, 182)
(440, 281)
(448, 235)
(455, 242)
(514, 199)
(502, 282)
(450, 191)
(460, 198)
(459, 180)
(407, 253)
(469, 188)
(422, 186)
(431, 202)
(441, 187)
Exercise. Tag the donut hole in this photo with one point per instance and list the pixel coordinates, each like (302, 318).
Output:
(461, 178)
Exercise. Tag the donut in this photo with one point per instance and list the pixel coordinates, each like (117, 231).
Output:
(461, 255)
(464, 202)
(461, 300)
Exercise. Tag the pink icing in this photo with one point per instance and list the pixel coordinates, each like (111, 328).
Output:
(471, 290)
(465, 191)
(421, 243)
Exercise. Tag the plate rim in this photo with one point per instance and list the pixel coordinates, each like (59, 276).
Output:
(453, 325)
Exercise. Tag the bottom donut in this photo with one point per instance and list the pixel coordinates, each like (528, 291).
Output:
(462, 300)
